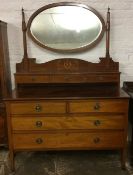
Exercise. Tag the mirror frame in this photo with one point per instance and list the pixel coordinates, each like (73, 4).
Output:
(78, 49)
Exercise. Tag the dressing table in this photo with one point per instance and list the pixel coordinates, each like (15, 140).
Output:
(68, 103)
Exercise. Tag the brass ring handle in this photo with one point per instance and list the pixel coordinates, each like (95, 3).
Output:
(39, 124)
(97, 122)
(96, 140)
(97, 106)
(38, 108)
(39, 141)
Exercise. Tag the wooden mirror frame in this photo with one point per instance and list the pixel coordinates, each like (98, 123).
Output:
(78, 49)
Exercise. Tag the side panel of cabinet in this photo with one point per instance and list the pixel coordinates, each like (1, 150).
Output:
(5, 79)
(3, 126)
(5, 75)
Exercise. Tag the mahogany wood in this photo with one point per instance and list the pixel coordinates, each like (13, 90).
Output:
(67, 123)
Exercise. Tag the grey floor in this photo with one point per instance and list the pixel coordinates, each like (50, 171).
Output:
(67, 163)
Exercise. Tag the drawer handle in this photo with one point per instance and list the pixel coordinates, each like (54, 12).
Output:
(39, 141)
(38, 124)
(97, 122)
(97, 106)
(97, 140)
(38, 108)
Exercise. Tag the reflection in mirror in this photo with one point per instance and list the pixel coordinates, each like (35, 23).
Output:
(66, 27)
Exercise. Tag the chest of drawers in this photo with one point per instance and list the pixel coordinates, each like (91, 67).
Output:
(67, 124)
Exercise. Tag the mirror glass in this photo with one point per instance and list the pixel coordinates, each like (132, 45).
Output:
(66, 27)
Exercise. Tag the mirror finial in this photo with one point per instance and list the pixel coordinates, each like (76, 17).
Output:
(23, 20)
(108, 34)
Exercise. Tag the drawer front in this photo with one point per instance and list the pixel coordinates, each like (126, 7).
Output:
(98, 106)
(68, 140)
(75, 78)
(38, 108)
(33, 79)
(100, 78)
(57, 123)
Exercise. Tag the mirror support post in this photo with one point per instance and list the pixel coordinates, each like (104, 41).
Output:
(108, 34)
(24, 29)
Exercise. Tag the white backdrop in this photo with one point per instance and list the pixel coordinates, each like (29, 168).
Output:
(121, 33)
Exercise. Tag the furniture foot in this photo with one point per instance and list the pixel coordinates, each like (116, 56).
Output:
(12, 165)
(123, 159)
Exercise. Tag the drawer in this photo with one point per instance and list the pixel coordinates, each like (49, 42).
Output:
(100, 78)
(69, 140)
(98, 106)
(83, 78)
(57, 123)
(37, 107)
(33, 79)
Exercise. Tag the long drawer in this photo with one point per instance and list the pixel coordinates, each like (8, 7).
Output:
(68, 140)
(68, 122)
(38, 107)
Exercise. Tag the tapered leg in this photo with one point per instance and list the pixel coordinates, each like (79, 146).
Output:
(12, 164)
(123, 158)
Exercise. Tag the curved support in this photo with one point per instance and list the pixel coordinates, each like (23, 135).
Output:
(108, 34)
(24, 29)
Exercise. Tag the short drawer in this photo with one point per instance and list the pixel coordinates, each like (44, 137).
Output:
(57, 123)
(98, 106)
(32, 79)
(68, 140)
(37, 107)
(76, 78)
(100, 78)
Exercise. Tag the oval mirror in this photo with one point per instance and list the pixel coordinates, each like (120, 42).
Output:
(66, 27)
